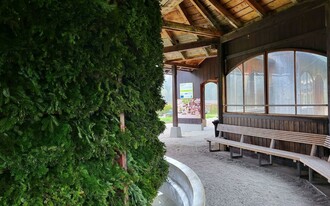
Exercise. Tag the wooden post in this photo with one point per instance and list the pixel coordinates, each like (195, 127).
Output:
(221, 76)
(175, 130)
(203, 116)
(175, 96)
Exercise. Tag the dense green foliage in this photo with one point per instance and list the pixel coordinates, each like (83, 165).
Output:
(68, 69)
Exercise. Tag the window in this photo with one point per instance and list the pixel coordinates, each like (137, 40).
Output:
(311, 84)
(296, 84)
(281, 81)
(254, 85)
(234, 90)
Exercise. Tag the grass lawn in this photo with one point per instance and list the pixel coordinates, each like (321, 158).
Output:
(169, 119)
(166, 119)
(212, 115)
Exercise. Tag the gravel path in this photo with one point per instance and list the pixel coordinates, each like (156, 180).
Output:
(240, 181)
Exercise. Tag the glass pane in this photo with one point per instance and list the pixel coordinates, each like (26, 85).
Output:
(254, 83)
(313, 110)
(311, 82)
(282, 109)
(234, 89)
(234, 108)
(255, 109)
(281, 82)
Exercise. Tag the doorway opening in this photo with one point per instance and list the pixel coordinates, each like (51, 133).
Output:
(210, 102)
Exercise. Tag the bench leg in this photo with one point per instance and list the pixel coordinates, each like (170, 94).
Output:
(232, 156)
(299, 168)
(310, 175)
(265, 164)
(213, 150)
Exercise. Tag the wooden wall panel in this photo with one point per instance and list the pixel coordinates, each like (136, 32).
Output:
(303, 30)
(207, 72)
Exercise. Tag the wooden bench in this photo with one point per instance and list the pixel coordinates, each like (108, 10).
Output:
(315, 140)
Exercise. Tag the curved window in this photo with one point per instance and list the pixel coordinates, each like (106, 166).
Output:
(311, 84)
(281, 81)
(296, 84)
(254, 85)
(234, 90)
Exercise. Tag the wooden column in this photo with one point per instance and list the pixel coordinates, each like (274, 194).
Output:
(221, 76)
(175, 130)
(328, 59)
(175, 96)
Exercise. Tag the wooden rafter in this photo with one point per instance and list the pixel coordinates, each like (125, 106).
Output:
(194, 58)
(169, 5)
(185, 15)
(174, 41)
(191, 45)
(171, 36)
(256, 7)
(188, 66)
(173, 26)
(205, 13)
(225, 13)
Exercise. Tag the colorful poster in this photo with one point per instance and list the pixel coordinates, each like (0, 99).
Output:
(189, 108)
(186, 90)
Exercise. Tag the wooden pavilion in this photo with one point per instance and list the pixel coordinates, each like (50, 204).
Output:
(268, 58)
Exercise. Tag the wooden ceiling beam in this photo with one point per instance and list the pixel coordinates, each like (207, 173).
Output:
(187, 18)
(193, 58)
(174, 41)
(191, 45)
(173, 26)
(205, 13)
(291, 13)
(188, 66)
(169, 5)
(225, 13)
(184, 14)
(256, 7)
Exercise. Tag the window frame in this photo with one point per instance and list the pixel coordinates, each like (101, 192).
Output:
(266, 84)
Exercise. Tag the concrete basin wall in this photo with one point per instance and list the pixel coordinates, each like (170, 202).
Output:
(183, 186)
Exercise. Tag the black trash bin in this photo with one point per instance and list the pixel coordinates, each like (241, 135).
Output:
(215, 123)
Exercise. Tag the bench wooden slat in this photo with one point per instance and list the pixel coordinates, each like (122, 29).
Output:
(256, 148)
(327, 142)
(298, 137)
(269, 133)
(315, 163)
(319, 165)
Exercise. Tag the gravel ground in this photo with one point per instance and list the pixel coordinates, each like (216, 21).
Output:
(240, 181)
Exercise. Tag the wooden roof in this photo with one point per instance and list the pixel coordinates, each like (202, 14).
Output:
(192, 28)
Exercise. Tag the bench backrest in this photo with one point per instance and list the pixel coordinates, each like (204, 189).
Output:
(327, 142)
(298, 137)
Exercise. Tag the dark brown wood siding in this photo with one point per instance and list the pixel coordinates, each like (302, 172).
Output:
(207, 72)
(299, 30)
